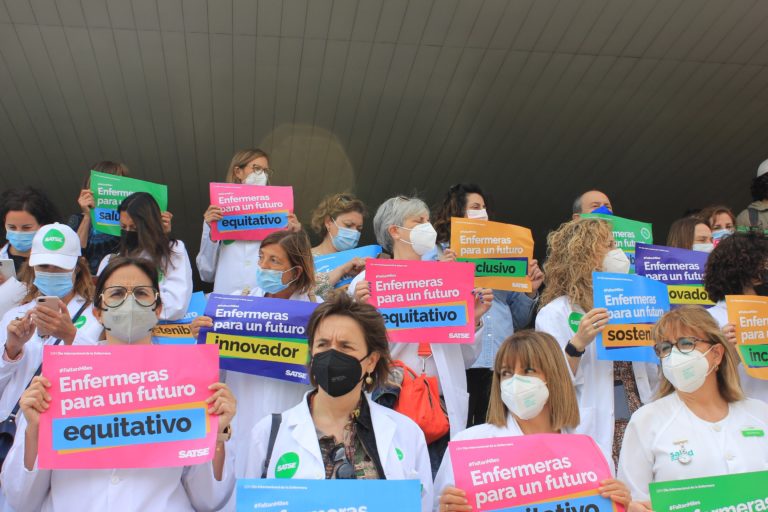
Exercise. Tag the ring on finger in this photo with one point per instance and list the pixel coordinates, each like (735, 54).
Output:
(594, 325)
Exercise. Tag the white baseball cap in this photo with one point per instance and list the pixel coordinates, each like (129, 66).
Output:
(762, 168)
(57, 245)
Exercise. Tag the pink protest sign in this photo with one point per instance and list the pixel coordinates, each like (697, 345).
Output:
(128, 406)
(250, 212)
(534, 473)
(424, 301)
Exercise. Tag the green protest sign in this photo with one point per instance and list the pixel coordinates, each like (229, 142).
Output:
(741, 492)
(627, 233)
(110, 190)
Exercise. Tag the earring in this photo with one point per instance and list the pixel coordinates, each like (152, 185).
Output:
(369, 379)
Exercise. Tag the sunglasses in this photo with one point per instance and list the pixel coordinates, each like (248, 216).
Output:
(343, 469)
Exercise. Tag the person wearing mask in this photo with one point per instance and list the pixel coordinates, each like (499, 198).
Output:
(720, 220)
(700, 424)
(128, 305)
(510, 311)
(590, 201)
(609, 391)
(142, 235)
(402, 228)
(531, 393)
(738, 266)
(756, 214)
(338, 219)
(285, 271)
(231, 264)
(690, 233)
(336, 430)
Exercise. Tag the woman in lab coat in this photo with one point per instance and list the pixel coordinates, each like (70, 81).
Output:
(531, 393)
(231, 264)
(336, 431)
(575, 250)
(702, 425)
(128, 305)
(402, 228)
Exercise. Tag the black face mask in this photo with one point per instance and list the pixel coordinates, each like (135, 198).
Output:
(337, 373)
(130, 239)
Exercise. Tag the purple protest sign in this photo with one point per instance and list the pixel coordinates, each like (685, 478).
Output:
(680, 269)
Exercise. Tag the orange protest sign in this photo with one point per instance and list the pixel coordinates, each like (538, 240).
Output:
(749, 313)
(501, 252)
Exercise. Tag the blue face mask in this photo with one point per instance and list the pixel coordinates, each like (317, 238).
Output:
(271, 281)
(20, 240)
(602, 209)
(58, 284)
(345, 239)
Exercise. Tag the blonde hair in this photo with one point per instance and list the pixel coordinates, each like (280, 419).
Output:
(333, 206)
(572, 255)
(541, 351)
(698, 320)
(240, 160)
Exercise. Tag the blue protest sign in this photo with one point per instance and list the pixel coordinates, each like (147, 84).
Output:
(328, 262)
(177, 332)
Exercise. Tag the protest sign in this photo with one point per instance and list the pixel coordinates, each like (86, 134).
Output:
(627, 233)
(740, 492)
(749, 314)
(260, 335)
(634, 304)
(680, 269)
(280, 495)
(110, 190)
(178, 332)
(501, 252)
(424, 301)
(329, 262)
(128, 406)
(532, 473)
(250, 212)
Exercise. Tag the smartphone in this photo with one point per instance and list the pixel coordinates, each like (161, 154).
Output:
(7, 269)
(50, 302)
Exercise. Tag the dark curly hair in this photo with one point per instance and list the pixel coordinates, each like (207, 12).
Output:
(455, 205)
(734, 264)
(759, 188)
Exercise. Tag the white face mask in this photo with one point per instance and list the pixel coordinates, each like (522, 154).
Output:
(524, 396)
(703, 247)
(477, 214)
(616, 261)
(256, 178)
(130, 321)
(686, 372)
(423, 238)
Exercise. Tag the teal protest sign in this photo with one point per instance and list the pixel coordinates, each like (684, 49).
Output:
(741, 492)
(110, 190)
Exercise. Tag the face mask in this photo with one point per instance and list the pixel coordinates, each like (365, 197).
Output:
(336, 372)
(345, 239)
(703, 247)
(719, 234)
(130, 239)
(256, 178)
(477, 214)
(602, 209)
(423, 238)
(271, 281)
(616, 261)
(130, 321)
(524, 396)
(20, 240)
(686, 372)
(58, 284)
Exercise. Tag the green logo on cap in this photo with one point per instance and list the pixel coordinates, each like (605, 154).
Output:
(287, 465)
(53, 240)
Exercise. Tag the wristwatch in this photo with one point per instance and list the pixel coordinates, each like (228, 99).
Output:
(572, 351)
(225, 435)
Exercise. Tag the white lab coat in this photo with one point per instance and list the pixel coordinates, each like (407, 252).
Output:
(175, 285)
(594, 379)
(449, 362)
(230, 266)
(658, 432)
(172, 489)
(753, 388)
(399, 442)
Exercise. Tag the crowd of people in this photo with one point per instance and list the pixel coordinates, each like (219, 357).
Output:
(532, 367)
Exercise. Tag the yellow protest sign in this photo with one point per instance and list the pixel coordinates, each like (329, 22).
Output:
(501, 252)
(749, 313)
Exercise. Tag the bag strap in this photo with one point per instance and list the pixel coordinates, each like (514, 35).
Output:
(753, 217)
(276, 420)
(40, 368)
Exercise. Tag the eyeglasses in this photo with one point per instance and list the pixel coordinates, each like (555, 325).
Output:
(259, 170)
(684, 345)
(114, 296)
(345, 470)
